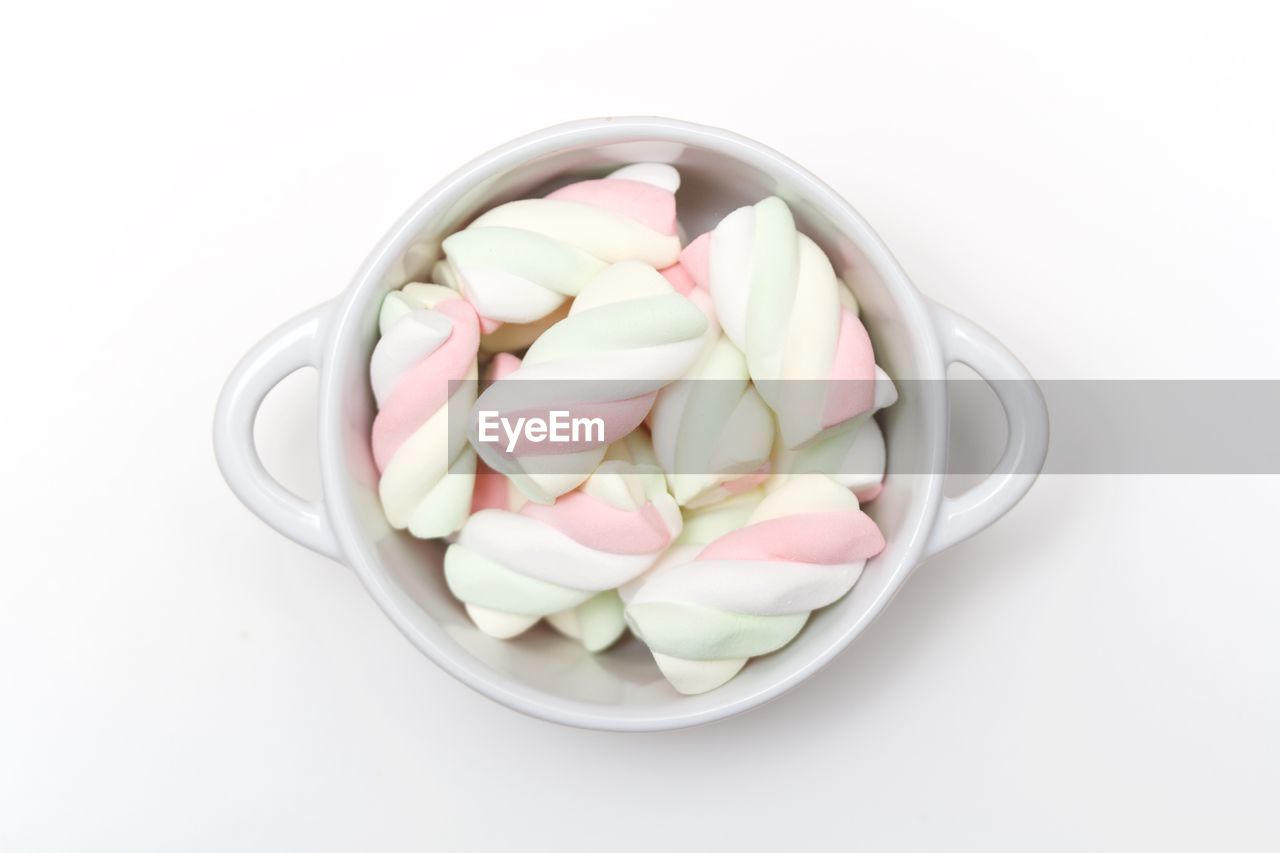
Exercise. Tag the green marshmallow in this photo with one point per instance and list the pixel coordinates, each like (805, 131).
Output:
(550, 263)
(636, 323)
(700, 633)
(480, 581)
(601, 621)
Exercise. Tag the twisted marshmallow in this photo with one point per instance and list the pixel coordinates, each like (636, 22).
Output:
(702, 526)
(492, 489)
(750, 591)
(518, 262)
(712, 432)
(429, 339)
(779, 301)
(511, 568)
(628, 335)
(852, 454)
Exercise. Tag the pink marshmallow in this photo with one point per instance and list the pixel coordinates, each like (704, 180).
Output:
(424, 388)
(696, 260)
(837, 536)
(678, 277)
(749, 481)
(501, 366)
(651, 206)
(869, 494)
(853, 373)
(492, 490)
(598, 525)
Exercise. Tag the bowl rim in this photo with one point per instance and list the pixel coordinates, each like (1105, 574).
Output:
(343, 330)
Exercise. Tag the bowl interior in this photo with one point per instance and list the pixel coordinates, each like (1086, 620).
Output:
(542, 672)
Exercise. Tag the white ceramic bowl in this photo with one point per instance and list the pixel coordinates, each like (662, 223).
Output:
(542, 674)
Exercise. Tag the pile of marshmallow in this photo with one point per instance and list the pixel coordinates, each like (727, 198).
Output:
(736, 386)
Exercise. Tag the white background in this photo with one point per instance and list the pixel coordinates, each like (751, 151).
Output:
(1094, 182)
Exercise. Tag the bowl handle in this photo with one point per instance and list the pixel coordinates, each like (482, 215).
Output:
(295, 344)
(1027, 418)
